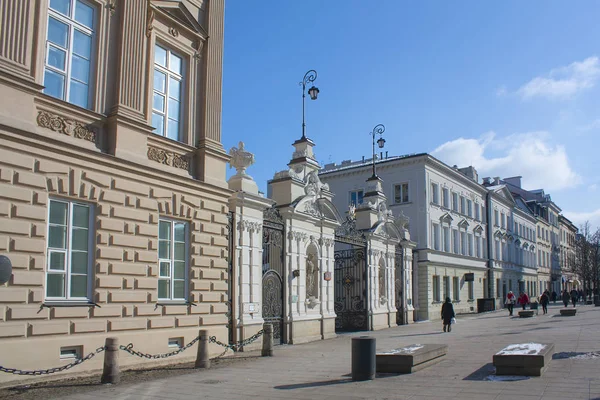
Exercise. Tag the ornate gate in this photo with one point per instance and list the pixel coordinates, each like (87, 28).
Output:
(350, 272)
(401, 316)
(273, 271)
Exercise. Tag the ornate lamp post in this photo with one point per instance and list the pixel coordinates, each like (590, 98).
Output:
(378, 130)
(309, 77)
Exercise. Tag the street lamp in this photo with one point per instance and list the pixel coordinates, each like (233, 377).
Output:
(378, 130)
(309, 77)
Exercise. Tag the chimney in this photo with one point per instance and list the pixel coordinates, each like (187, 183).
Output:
(470, 172)
(496, 180)
(486, 181)
(514, 180)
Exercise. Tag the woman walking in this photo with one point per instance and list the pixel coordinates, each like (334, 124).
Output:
(447, 314)
(565, 297)
(523, 300)
(544, 300)
(510, 302)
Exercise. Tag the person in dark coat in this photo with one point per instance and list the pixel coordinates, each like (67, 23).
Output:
(565, 297)
(447, 314)
(544, 300)
(574, 295)
(554, 296)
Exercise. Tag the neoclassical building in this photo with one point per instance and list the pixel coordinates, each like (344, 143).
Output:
(113, 199)
(568, 233)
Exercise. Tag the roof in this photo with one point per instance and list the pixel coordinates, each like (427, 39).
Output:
(365, 162)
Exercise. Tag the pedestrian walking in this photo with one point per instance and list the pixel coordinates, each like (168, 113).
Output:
(523, 300)
(510, 302)
(544, 300)
(554, 296)
(574, 295)
(565, 297)
(447, 314)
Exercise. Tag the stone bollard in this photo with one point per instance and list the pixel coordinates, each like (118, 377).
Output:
(202, 360)
(363, 358)
(111, 372)
(267, 347)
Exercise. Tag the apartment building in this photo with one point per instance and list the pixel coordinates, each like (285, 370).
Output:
(447, 212)
(113, 199)
(513, 244)
(568, 233)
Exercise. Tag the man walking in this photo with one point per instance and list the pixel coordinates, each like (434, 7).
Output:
(574, 295)
(544, 300)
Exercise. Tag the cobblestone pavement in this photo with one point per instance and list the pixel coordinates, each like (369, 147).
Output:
(320, 370)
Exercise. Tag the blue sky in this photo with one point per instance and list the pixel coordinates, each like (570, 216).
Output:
(511, 87)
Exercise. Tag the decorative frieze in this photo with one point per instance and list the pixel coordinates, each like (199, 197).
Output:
(249, 226)
(168, 158)
(66, 126)
(298, 236)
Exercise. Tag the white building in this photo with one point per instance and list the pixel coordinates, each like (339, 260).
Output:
(446, 208)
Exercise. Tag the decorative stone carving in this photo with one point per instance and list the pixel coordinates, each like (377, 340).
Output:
(352, 211)
(173, 31)
(300, 153)
(168, 158)
(250, 226)
(382, 212)
(312, 276)
(198, 47)
(311, 209)
(313, 185)
(112, 6)
(67, 126)
(240, 159)
(402, 220)
(325, 242)
(299, 236)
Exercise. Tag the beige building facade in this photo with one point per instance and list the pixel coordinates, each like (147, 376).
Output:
(113, 199)
(568, 233)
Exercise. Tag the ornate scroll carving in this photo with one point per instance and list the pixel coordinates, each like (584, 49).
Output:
(168, 158)
(173, 31)
(149, 20)
(67, 126)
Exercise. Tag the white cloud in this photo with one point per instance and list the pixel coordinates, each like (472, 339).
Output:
(578, 218)
(501, 91)
(563, 82)
(530, 155)
(593, 187)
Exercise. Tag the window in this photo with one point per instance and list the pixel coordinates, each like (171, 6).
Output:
(67, 67)
(446, 287)
(503, 220)
(166, 99)
(436, 288)
(478, 246)
(471, 291)
(477, 212)
(469, 208)
(172, 260)
(538, 231)
(446, 197)
(454, 201)
(434, 193)
(497, 250)
(496, 221)
(497, 287)
(463, 209)
(68, 253)
(463, 243)
(483, 214)
(401, 193)
(436, 237)
(446, 238)
(356, 197)
(455, 288)
(455, 241)
(470, 244)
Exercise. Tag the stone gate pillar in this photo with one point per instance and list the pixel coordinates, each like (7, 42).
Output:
(245, 253)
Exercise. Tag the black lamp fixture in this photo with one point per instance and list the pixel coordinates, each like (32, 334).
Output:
(313, 92)
(378, 130)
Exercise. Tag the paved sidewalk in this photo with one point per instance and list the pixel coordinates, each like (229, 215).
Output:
(321, 370)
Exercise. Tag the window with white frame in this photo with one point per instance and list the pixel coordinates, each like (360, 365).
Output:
(469, 208)
(435, 195)
(483, 217)
(401, 193)
(69, 255)
(471, 291)
(477, 212)
(446, 197)
(172, 260)
(436, 237)
(497, 250)
(478, 246)
(167, 94)
(455, 288)
(496, 220)
(436, 288)
(446, 287)
(455, 201)
(502, 220)
(68, 64)
(463, 208)
(446, 238)
(355, 197)
(463, 243)
(470, 243)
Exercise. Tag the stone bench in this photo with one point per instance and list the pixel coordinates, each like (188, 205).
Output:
(526, 313)
(568, 312)
(529, 359)
(410, 359)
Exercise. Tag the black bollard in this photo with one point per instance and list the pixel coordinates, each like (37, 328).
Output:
(363, 358)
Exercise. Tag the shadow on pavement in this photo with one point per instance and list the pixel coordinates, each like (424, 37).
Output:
(481, 373)
(329, 382)
(420, 334)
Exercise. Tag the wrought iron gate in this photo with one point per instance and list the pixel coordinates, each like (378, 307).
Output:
(273, 271)
(350, 272)
(401, 315)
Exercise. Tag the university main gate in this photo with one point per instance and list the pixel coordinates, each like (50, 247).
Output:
(350, 272)
(273, 271)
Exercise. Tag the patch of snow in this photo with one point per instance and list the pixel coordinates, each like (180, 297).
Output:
(505, 378)
(409, 349)
(523, 349)
(576, 356)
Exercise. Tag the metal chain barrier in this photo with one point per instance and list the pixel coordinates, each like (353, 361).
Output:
(52, 370)
(130, 350)
(235, 346)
